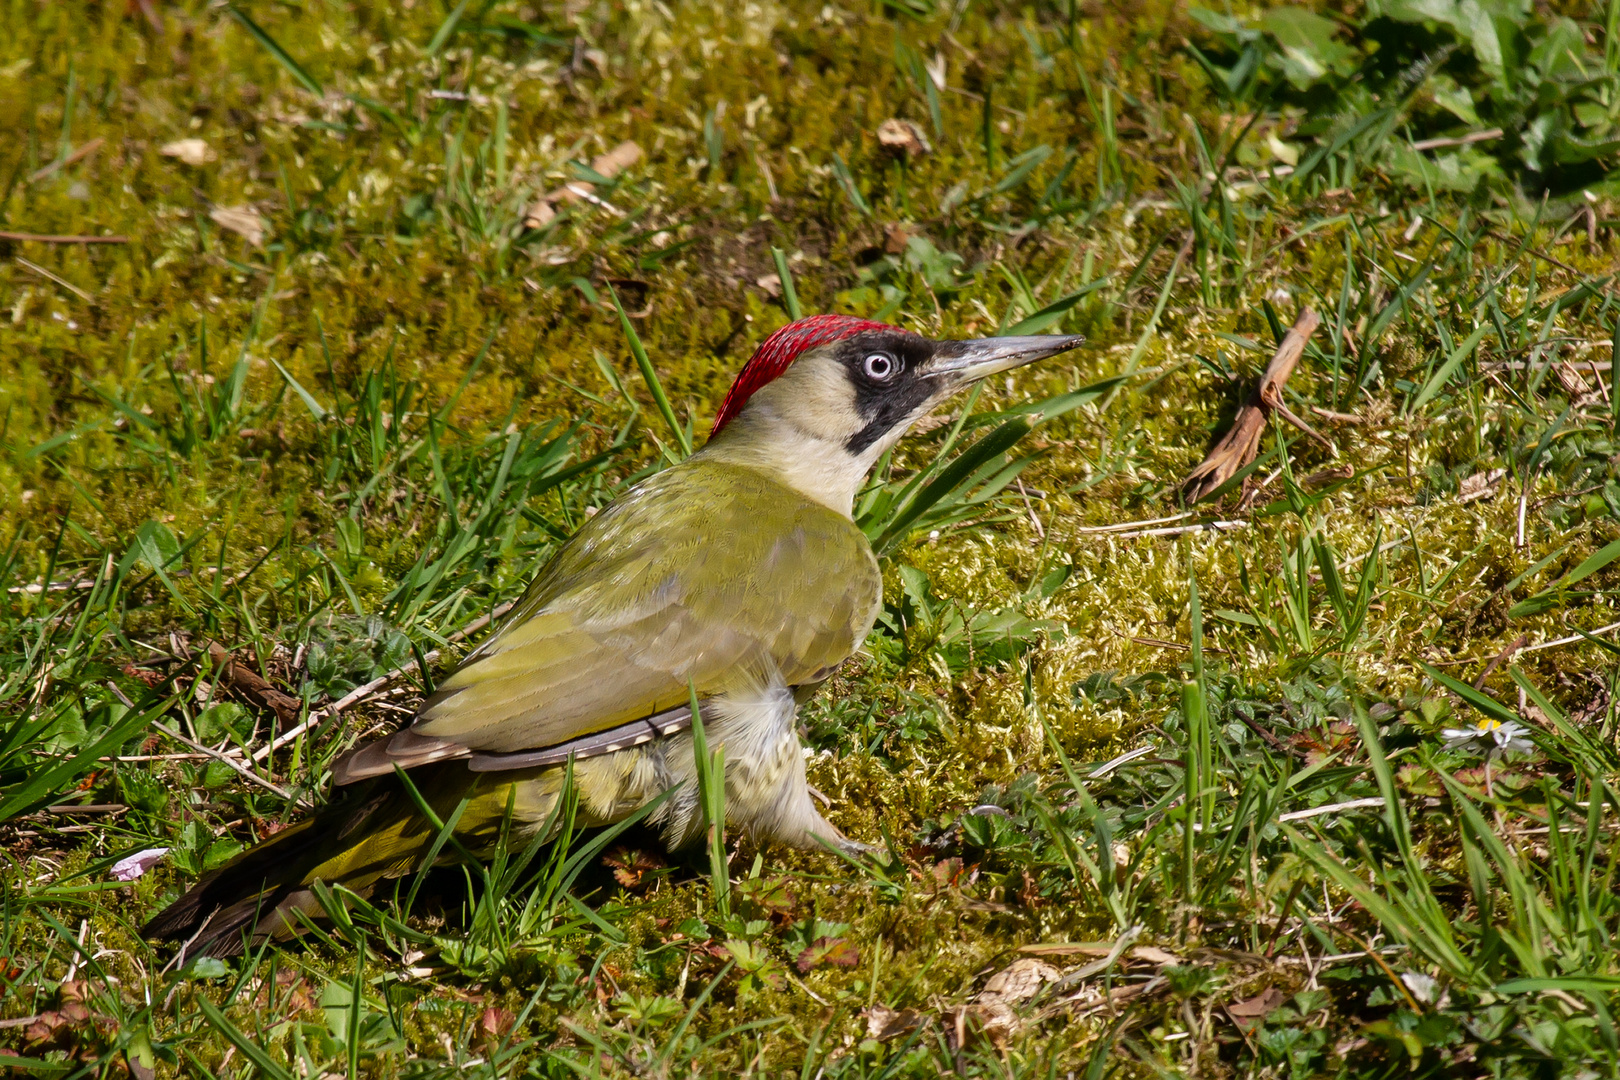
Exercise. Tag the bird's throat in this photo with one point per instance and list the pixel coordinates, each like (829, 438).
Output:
(820, 469)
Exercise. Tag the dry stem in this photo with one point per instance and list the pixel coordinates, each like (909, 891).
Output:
(1238, 446)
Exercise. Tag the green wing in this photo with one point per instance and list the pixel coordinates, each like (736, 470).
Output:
(697, 577)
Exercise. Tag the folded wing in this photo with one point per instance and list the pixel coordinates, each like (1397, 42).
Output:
(695, 579)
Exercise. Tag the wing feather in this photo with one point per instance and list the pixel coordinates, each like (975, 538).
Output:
(697, 577)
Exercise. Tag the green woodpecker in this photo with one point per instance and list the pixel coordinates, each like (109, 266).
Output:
(737, 574)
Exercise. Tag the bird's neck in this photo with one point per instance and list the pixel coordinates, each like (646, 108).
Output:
(818, 468)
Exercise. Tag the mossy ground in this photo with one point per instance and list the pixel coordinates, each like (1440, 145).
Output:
(294, 444)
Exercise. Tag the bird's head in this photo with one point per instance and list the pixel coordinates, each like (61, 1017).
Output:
(822, 398)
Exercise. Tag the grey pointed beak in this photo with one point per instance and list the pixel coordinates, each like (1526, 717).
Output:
(963, 362)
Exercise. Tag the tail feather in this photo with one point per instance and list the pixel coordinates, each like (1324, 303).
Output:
(225, 909)
(373, 831)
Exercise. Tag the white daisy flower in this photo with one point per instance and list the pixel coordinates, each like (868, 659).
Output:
(1494, 737)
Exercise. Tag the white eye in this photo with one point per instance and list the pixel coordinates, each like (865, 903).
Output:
(880, 366)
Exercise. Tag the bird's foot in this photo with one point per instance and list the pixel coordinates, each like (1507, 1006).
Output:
(836, 842)
(855, 849)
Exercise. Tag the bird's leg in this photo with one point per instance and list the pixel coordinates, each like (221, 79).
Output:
(767, 795)
(855, 849)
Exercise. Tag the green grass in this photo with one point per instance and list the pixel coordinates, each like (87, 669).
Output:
(336, 451)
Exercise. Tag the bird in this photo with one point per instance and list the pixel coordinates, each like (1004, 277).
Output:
(736, 578)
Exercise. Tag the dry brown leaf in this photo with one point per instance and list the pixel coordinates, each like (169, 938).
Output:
(1151, 954)
(1067, 948)
(610, 164)
(771, 284)
(1482, 485)
(618, 159)
(539, 216)
(896, 237)
(992, 1008)
(903, 137)
(631, 864)
(194, 152)
(995, 1019)
(1019, 981)
(252, 684)
(884, 1023)
(1249, 1013)
(1238, 446)
(496, 1022)
(242, 220)
(1571, 377)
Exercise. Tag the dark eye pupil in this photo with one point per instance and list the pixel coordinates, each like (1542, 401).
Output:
(878, 366)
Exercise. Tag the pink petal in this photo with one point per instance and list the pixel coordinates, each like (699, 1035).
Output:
(133, 866)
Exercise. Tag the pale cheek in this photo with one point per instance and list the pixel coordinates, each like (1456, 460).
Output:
(828, 416)
(818, 398)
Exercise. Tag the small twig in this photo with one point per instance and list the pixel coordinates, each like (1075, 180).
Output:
(243, 770)
(1463, 140)
(1179, 646)
(817, 998)
(1394, 979)
(1033, 520)
(50, 238)
(1203, 526)
(153, 18)
(1118, 996)
(1538, 253)
(971, 96)
(1334, 808)
(1124, 525)
(1118, 949)
(78, 952)
(1572, 639)
(34, 588)
(1238, 446)
(242, 677)
(1336, 958)
(361, 692)
(46, 274)
(1109, 766)
(1555, 496)
(585, 191)
(78, 155)
(1270, 738)
(1501, 658)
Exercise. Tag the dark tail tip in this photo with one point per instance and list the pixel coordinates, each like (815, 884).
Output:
(220, 913)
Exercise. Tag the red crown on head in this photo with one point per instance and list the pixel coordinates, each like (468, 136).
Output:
(778, 351)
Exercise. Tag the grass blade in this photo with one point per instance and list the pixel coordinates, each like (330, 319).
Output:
(39, 789)
(251, 1050)
(315, 408)
(650, 377)
(790, 295)
(1439, 379)
(294, 68)
(1052, 314)
(441, 36)
(711, 771)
